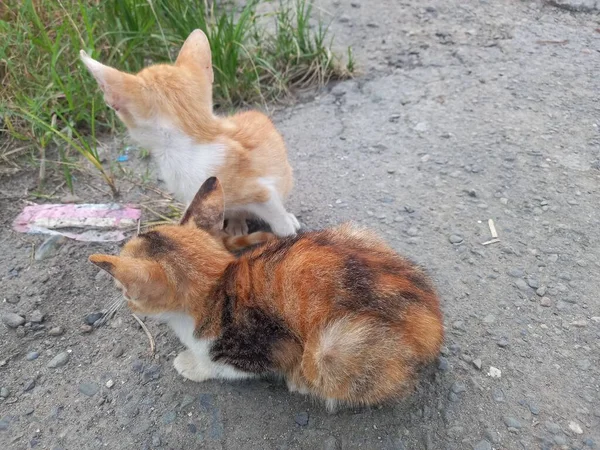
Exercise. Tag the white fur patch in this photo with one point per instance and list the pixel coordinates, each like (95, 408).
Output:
(184, 164)
(195, 363)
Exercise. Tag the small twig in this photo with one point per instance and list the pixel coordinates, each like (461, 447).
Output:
(493, 241)
(157, 213)
(550, 42)
(492, 228)
(138, 227)
(147, 331)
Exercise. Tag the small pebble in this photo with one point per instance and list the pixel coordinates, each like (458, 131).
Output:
(12, 320)
(455, 239)
(483, 445)
(90, 319)
(511, 422)
(490, 318)
(156, 440)
(301, 418)
(31, 356)
(110, 383)
(58, 361)
(552, 427)
(516, 273)
(29, 385)
(575, 427)
(89, 389)
(502, 343)
(494, 372)
(522, 285)
(4, 392)
(534, 409)
(545, 301)
(84, 329)
(533, 283)
(477, 363)
(169, 417)
(541, 291)
(118, 351)
(458, 387)
(443, 363)
(56, 331)
(36, 316)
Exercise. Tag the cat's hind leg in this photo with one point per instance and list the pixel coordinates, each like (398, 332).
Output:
(198, 367)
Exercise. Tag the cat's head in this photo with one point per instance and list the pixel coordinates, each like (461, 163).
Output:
(160, 91)
(161, 268)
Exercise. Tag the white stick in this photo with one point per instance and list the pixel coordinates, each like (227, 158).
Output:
(492, 228)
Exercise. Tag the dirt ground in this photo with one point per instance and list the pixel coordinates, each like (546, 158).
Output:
(463, 112)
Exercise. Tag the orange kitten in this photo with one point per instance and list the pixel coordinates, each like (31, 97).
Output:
(169, 110)
(337, 312)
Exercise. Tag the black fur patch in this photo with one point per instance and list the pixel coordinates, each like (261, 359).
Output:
(157, 244)
(420, 281)
(247, 343)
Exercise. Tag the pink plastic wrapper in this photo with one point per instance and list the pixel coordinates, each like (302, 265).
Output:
(97, 222)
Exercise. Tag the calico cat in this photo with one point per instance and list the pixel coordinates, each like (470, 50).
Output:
(337, 313)
(169, 110)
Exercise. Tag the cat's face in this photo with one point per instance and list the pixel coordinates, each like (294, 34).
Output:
(161, 91)
(159, 268)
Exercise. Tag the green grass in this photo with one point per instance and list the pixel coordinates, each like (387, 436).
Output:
(47, 97)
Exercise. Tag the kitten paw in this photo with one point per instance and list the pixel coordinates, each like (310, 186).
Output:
(186, 364)
(294, 221)
(300, 389)
(236, 226)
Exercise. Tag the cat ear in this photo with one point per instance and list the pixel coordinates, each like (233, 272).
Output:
(115, 84)
(139, 277)
(195, 52)
(207, 208)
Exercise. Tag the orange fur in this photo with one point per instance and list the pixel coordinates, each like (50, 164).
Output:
(336, 312)
(169, 109)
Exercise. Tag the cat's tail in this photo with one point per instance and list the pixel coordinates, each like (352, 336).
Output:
(357, 360)
(236, 243)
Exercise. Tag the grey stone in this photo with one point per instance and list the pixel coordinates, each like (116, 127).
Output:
(498, 395)
(29, 385)
(49, 247)
(455, 239)
(169, 417)
(458, 387)
(12, 320)
(156, 440)
(511, 422)
(482, 445)
(37, 316)
(90, 319)
(546, 302)
(583, 364)
(186, 401)
(522, 285)
(152, 372)
(560, 439)
(443, 363)
(490, 318)
(541, 291)
(412, 231)
(516, 273)
(85, 328)
(502, 343)
(576, 6)
(533, 283)
(89, 389)
(4, 424)
(118, 351)
(534, 408)
(552, 427)
(55, 331)
(31, 356)
(4, 392)
(477, 363)
(58, 361)
(301, 418)
(331, 443)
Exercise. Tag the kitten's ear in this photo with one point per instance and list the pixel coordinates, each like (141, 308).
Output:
(207, 208)
(195, 52)
(116, 85)
(141, 278)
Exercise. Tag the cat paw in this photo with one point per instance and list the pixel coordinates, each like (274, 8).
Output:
(236, 226)
(300, 389)
(294, 221)
(186, 364)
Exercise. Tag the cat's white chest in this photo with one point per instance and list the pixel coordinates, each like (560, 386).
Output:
(184, 164)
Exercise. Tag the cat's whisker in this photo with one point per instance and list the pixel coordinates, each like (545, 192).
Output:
(111, 310)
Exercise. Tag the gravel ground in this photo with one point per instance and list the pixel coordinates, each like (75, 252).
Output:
(463, 112)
